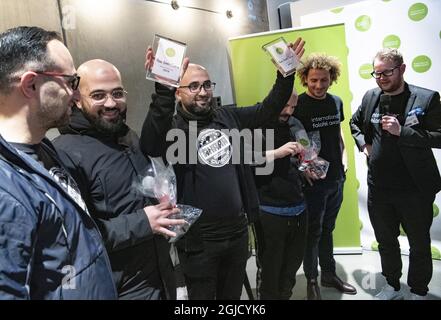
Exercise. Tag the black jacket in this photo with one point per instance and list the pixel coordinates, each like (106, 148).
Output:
(283, 187)
(160, 119)
(415, 142)
(107, 169)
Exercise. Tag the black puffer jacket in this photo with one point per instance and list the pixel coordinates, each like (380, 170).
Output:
(107, 169)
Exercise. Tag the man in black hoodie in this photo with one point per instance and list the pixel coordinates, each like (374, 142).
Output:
(103, 155)
(281, 233)
(214, 252)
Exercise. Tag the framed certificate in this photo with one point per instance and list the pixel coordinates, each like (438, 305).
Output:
(167, 66)
(282, 56)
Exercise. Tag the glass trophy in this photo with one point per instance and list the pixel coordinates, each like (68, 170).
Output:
(282, 56)
(167, 65)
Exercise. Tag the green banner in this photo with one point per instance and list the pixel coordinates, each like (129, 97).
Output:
(253, 76)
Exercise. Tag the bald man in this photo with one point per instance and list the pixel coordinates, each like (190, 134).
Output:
(103, 155)
(281, 233)
(214, 252)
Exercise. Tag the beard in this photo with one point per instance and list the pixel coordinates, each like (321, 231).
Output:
(196, 109)
(50, 116)
(114, 126)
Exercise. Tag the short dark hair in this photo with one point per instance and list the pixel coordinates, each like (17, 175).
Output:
(21, 49)
(389, 54)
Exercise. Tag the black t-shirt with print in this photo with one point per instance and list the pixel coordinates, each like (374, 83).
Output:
(324, 116)
(386, 165)
(213, 185)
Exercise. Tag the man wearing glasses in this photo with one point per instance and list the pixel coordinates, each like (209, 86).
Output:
(103, 155)
(396, 126)
(214, 252)
(50, 247)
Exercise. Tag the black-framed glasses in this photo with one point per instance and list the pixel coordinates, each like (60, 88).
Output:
(386, 73)
(72, 79)
(100, 97)
(196, 86)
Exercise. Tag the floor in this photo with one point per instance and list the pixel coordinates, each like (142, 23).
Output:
(362, 271)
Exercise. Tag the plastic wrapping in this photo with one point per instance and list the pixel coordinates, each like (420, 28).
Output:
(160, 183)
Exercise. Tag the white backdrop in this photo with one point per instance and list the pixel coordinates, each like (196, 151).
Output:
(412, 26)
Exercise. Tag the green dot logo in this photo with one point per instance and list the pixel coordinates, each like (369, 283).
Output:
(374, 246)
(170, 52)
(418, 11)
(435, 253)
(363, 23)
(421, 64)
(304, 142)
(337, 10)
(435, 210)
(391, 41)
(279, 50)
(365, 71)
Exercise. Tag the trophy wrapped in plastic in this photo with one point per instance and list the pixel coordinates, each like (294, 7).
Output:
(282, 56)
(309, 159)
(167, 67)
(160, 183)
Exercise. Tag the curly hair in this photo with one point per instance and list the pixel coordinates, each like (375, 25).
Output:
(389, 54)
(320, 61)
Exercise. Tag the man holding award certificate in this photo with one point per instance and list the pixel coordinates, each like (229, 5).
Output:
(214, 252)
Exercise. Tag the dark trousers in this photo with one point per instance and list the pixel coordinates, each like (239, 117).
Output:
(281, 244)
(387, 210)
(218, 271)
(324, 201)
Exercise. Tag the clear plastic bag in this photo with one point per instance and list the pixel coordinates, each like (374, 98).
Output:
(310, 159)
(160, 183)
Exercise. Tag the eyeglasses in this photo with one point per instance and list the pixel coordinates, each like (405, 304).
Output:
(100, 97)
(196, 86)
(73, 80)
(386, 73)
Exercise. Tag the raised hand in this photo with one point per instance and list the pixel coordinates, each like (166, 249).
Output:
(298, 48)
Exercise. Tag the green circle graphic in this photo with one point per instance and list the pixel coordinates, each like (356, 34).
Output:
(363, 23)
(304, 142)
(337, 10)
(418, 11)
(170, 52)
(365, 71)
(421, 64)
(435, 210)
(279, 50)
(391, 41)
(436, 254)
(374, 246)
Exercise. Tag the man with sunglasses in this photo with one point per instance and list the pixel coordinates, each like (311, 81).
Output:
(396, 126)
(50, 247)
(214, 252)
(103, 155)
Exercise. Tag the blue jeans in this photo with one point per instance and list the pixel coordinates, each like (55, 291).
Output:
(324, 201)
